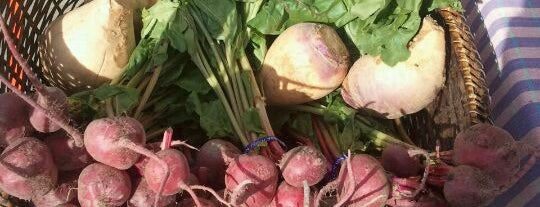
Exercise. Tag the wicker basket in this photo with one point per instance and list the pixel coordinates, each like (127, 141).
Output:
(463, 102)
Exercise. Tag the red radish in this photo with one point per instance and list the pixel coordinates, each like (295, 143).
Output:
(489, 148)
(64, 193)
(56, 118)
(396, 159)
(469, 186)
(371, 187)
(157, 146)
(52, 98)
(102, 185)
(154, 173)
(27, 169)
(290, 196)
(213, 158)
(252, 179)
(66, 155)
(13, 118)
(110, 141)
(117, 142)
(303, 164)
(144, 197)
(179, 168)
(56, 101)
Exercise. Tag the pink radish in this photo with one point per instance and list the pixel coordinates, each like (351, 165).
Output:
(56, 115)
(66, 155)
(213, 158)
(52, 98)
(179, 169)
(252, 180)
(144, 197)
(117, 142)
(303, 164)
(290, 196)
(65, 191)
(102, 185)
(13, 118)
(361, 182)
(27, 169)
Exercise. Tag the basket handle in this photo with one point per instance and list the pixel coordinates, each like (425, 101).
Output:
(478, 99)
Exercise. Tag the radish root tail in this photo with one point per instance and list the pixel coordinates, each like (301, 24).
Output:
(238, 190)
(424, 153)
(350, 184)
(211, 191)
(191, 193)
(143, 151)
(306, 193)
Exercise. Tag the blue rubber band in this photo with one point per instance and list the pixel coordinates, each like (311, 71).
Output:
(336, 164)
(255, 143)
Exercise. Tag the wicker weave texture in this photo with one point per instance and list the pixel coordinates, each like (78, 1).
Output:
(464, 100)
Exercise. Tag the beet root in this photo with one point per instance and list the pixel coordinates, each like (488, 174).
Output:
(396, 159)
(489, 148)
(468, 186)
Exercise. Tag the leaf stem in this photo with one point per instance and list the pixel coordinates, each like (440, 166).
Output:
(148, 92)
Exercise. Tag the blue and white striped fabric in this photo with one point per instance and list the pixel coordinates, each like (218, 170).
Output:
(507, 35)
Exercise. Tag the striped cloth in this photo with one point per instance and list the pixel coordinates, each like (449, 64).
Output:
(507, 35)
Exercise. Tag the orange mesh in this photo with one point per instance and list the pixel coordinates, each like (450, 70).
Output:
(17, 73)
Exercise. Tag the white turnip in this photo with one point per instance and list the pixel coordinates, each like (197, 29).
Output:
(407, 87)
(89, 45)
(306, 62)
